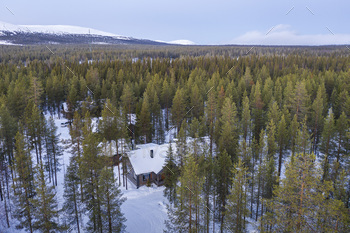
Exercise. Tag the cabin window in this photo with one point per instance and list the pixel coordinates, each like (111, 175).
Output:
(145, 177)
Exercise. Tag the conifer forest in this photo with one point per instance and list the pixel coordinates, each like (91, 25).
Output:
(257, 140)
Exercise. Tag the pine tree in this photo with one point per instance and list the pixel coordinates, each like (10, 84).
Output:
(23, 188)
(223, 174)
(197, 102)
(181, 145)
(317, 111)
(36, 90)
(144, 120)
(8, 130)
(229, 131)
(45, 205)
(342, 145)
(236, 208)
(303, 144)
(211, 112)
(128, 100)
(246, 124)
(184, 216)
(166, 100)
(294, 129)
(35, 126)
(282, 140)
(53, 150)
(271, 138)
(301, 203)
(91, 165)
(300, 103)
(327, 145)
(72, 201)
(171, 176)
(76, 144)
(108, 126)
(257, 110)
(208, 188)
(178, 109)
(111, 200)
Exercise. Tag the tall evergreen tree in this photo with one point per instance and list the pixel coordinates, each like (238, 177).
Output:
(23, 188)
(178, 109)
(45, 204)
(185, 215)
(282, 140)
(53, 150)
(171, 176)
(301, 203)
(317, 111)
(236, 209)
(111, 200)
(229, 132)
(72, 201)
(246, 116)
(327, 146)
(144, 120)
(223, 174)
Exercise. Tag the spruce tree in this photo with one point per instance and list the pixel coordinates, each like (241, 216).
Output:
(223, 174)
(178, 109)
(171, 176)
(236, 208)
(23, 185)
(53, 150)
(110, 199)
(229, 131)
(317, 111)
(45, 204)
(144, 120)
(184, 216)
(301, 202)
(327, 146)
(72, 200)
(282, 140)
(246, 123)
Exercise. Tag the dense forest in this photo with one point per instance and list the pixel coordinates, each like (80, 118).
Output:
(270, 126)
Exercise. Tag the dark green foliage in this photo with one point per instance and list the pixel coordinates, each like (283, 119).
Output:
(24, 188)
(110, 199)
(72, 201)
(171, 176)
(45, 205)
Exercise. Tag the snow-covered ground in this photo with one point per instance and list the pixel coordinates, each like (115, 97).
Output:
(144, 208)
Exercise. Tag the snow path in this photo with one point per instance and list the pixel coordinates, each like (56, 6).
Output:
(144, 209)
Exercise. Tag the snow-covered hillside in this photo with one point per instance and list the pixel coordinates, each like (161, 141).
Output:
(66, 34)
(57, 29)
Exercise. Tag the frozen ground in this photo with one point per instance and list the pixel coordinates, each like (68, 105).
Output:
(144, 208)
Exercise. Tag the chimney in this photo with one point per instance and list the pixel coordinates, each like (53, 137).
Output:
(151, 153)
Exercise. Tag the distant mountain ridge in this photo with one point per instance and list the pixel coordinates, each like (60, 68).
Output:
(65, 34)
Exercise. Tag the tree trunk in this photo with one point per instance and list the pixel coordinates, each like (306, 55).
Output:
(280, 161)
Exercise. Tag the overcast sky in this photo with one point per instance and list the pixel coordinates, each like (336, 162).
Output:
(309, 22)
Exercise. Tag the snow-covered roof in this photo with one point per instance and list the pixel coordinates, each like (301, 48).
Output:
(142, 162)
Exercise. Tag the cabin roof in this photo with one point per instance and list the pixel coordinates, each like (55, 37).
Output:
(142, 162)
